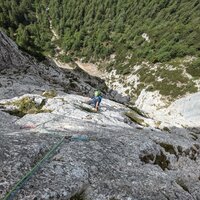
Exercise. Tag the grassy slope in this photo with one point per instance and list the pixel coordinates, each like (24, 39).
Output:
(94, 29)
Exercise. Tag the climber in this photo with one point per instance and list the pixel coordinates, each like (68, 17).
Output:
(96, 100)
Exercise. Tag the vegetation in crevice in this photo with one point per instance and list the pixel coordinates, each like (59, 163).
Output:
(133, 116)
(24, 106)
(194, 68)
(138, 111)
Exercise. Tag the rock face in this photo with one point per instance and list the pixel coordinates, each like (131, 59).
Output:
(105, 155)
(154, 87)
(108, 157)
(188, 107)
(182, 112)
(10, 56)
(21, 74)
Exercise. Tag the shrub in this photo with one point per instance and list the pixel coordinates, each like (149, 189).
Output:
(135, 118)
(163, 57)
(65, 58)
(25, 106)
(194, 68)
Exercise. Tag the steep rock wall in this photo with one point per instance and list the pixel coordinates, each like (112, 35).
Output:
(10, 55)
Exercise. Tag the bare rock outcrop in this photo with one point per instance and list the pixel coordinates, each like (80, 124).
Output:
(106, 156)
(10, 55)
(21, 74)
(188, 107)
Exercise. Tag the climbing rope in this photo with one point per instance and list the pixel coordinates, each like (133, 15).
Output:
(29, 174)
(25, 178)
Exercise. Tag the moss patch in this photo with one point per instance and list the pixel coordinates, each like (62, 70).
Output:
(135, 118)
(194, 68)
(25, 106)
(138, 111)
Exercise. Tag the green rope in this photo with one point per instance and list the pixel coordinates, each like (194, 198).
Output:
(25, 178)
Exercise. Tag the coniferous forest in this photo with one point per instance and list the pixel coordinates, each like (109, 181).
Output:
(95, 29)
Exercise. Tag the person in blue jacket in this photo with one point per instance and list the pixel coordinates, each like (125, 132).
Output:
(96, 100)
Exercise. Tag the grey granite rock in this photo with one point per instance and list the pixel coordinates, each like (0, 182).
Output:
(106, 158)
(10, 56)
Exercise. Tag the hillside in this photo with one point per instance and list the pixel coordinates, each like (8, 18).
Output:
(157, 42)
(155, 31)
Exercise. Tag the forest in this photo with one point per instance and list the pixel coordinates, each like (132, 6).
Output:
(95, 29)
